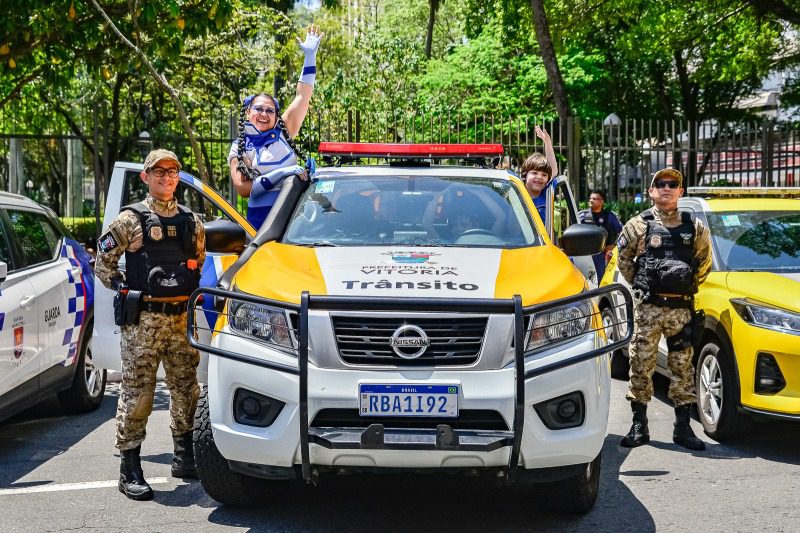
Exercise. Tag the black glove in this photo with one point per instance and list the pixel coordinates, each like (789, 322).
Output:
(118, 284)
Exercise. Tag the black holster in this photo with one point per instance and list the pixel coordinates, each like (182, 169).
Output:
(698, 324)
(127, 307)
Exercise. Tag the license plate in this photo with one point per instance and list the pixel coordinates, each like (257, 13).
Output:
(408, 400)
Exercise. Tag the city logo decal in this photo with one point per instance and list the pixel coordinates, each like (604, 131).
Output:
(411, 257)
(19, 335)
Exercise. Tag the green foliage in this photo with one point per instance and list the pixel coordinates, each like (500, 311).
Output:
(624, 210)
(83, 229)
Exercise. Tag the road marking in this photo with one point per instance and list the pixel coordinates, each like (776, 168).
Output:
(58, 487)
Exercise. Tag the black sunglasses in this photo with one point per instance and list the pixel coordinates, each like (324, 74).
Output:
(669, 184)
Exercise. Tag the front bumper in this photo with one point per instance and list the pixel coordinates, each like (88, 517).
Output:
(748, 343)
(296, 437)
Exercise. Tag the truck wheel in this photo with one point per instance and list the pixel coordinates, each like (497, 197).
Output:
(573, 495)
(89, 382)
(218, 480)
(576, 495)
(718, 394)
(620, 365)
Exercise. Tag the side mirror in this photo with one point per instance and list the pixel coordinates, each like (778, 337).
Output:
(224, 237)
(3, 271)
(583, 239)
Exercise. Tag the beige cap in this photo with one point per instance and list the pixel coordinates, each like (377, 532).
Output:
(667, 173)
(159, 155)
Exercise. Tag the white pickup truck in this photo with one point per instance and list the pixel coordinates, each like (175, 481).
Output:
(411, 316)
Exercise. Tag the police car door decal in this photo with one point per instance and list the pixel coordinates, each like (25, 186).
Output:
(398, 271)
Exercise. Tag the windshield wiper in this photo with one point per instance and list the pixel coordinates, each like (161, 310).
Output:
(316, 244)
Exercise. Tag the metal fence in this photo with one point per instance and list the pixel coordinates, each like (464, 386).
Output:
(70, 172)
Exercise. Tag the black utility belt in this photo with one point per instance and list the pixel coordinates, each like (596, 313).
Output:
(168, 308)
(674, 302)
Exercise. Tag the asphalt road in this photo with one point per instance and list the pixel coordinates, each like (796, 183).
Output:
(58, 473)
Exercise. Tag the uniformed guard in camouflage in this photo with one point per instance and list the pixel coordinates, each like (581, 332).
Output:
(663, 290)
(160, 334)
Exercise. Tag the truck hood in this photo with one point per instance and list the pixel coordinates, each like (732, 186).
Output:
(780, 290)
(281, 272)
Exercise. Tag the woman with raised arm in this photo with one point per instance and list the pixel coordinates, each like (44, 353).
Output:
(264, 152)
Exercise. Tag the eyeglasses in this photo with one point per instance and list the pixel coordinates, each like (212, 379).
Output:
(263, 109)
(161, 172)
(669, 184)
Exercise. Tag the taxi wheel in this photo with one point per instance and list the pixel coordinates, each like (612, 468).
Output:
(574, 495)
(718, 394)
(620, 365)
(88, 384)
(218, 480)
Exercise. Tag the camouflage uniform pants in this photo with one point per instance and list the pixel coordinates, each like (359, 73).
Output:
(157, 338)
(649, 323)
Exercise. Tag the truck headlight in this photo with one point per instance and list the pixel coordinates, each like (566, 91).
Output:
(266, 323)
(767, 316)
(560, 324)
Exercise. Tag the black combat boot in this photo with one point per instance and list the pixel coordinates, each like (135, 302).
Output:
(683, 435)
(183, 460)
(639, 434)
(131, 477)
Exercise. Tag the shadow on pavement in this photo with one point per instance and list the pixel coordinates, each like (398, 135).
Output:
(36, 435)
(437, 503)
(773, 440)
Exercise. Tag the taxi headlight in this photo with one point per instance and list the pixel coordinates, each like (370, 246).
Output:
(767, 316)
(266, 323)
(560, 324)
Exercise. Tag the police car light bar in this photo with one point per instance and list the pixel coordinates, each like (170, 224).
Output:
(745, 192)
(426, 151)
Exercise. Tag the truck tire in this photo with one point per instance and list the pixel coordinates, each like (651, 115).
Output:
(620, 365)
(218, 480)
(89, 383)
(574, 495)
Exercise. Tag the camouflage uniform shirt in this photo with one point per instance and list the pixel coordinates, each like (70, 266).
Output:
(125, 234)
(631, 244)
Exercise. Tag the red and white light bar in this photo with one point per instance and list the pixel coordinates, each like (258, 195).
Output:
(426, 151)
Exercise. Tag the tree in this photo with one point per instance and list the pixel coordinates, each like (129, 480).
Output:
(161, 80)
(549, 59)
(433, 7)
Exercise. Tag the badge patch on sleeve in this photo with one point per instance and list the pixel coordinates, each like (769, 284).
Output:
(621, 242)
(106, 242)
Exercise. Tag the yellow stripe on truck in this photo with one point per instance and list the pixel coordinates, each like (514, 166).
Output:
(538, 274)
(282, 272)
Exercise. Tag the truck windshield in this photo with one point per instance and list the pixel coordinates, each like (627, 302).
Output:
(757, 240)
(413, 211)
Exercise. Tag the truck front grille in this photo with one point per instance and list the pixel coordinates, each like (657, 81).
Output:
(366, 340)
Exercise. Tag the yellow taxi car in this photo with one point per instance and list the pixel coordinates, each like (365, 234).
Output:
(748, 358)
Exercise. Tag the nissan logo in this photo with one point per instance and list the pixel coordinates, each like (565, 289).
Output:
(409, 342)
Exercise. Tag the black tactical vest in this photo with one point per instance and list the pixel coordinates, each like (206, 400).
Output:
(159, 268)
(667, 264)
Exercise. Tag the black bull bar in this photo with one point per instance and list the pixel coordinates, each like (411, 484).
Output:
(443, 437)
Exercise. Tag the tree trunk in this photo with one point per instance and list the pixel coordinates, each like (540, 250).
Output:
(433, 7)
(549, 59)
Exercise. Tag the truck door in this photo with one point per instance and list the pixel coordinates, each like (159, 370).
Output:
(127, 188)
(562, 212)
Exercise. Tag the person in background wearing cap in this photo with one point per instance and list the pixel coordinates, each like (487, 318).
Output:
(164, 247)
(605, 219)
(537, 171)
(664, 254)
(264, 153)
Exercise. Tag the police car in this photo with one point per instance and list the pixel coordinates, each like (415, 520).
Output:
(46, 312)
(746, 360)
(402, 316)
